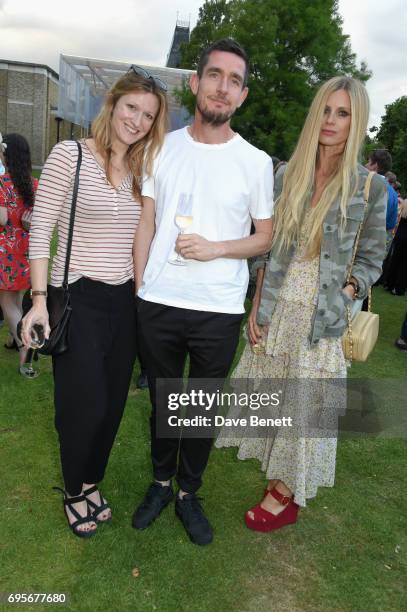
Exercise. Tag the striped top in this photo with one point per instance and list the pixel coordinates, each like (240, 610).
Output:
(105, 221)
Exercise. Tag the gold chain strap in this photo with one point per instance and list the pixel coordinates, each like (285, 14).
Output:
(355, 247)
(350, 336)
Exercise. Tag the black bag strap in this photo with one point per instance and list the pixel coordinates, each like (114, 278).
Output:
(72, 217)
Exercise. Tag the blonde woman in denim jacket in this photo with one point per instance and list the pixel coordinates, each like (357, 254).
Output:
(299, 308)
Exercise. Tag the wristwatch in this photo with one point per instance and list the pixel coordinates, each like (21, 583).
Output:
(34, 293)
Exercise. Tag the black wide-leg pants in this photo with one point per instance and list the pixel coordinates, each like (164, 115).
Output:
(92, 378)
(166, 336)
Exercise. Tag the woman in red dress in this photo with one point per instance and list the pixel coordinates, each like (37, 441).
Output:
(17, 189)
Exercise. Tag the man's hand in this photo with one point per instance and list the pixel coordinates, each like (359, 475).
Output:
(193, 246)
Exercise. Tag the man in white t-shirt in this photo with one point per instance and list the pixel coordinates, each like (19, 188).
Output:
(214, 184)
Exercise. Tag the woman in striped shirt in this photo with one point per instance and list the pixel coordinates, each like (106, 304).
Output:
(92, 378)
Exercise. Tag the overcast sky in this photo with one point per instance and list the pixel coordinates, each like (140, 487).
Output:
(141, 31)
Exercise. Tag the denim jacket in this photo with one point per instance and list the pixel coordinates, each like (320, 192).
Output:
(329, 318)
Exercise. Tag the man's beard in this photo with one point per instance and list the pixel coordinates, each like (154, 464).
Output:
(211, 117)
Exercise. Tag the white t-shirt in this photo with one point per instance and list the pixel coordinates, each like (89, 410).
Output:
(228, 184)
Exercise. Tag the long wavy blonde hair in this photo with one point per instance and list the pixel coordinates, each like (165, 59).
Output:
(141, 154)
(299, 176)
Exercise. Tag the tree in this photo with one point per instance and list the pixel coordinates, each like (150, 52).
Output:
(393, 135)
(293, 46)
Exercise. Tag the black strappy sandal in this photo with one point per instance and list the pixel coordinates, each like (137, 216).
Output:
(80, 520)
(96, 509)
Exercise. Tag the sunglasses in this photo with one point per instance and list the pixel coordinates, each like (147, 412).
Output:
(150, 77)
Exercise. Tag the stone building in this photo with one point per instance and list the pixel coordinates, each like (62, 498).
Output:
(29, 106)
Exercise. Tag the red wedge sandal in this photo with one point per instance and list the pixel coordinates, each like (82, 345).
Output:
(265, 521)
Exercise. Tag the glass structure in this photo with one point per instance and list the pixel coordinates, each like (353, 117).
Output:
(83, 83)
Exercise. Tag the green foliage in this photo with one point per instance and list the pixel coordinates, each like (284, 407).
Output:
(393, 135)
(293, 46)
(369, 146)
(394, 120)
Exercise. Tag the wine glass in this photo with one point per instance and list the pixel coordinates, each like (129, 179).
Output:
(37, 336)
(183, 219)
(27, 369)
(37, 341)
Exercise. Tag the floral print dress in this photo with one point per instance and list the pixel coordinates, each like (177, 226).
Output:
(303, 463)
(14, 266)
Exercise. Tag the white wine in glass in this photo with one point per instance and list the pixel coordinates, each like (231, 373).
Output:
(183, 219)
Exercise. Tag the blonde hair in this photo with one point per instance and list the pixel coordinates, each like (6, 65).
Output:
(141, 154)
(299, 176)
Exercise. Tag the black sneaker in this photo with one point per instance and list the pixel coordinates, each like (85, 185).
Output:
(154, 502)
(401, 344)
(190, 512)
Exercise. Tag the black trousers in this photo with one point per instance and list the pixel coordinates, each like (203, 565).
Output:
(166, 336)
(92, 378)
(397, 274)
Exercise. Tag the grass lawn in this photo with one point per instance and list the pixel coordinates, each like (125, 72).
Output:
(347, 551)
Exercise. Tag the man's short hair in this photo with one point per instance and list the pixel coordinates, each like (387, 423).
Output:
(382, 158)
(230, 46)
(391, 177)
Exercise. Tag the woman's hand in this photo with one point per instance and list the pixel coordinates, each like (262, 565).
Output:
(37, 315)
(253, 330)
(349, 291)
